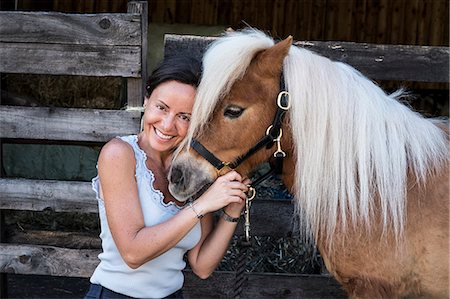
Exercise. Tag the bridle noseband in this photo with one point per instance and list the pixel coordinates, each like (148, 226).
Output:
(273, 134)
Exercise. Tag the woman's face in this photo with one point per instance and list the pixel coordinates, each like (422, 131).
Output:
(167, 114)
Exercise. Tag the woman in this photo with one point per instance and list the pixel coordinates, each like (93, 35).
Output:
(145, 232)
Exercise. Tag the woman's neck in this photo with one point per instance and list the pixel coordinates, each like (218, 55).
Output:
(161, 160)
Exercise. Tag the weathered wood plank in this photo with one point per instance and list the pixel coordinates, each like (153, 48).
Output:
(39, 195)
(388, 62)
(381, 62)
(221, 284)
(72, 196)
(71, 29)
(140, 8)
(59, 59)
(66, 123)
(48, 260)
(73, 240)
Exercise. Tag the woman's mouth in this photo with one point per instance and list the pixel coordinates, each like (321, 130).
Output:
(162, 135)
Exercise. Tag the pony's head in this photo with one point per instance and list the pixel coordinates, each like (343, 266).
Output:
(236, 103)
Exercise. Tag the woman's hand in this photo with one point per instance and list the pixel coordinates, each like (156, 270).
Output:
(228, 190)
(234, 209)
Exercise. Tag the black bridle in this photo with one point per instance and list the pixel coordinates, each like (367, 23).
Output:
(273, 134)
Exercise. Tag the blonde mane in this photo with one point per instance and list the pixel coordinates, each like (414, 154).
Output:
(354, 144)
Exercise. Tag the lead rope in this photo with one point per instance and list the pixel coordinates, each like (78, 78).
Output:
(244, 246)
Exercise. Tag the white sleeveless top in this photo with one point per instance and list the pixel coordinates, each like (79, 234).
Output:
(159, 277)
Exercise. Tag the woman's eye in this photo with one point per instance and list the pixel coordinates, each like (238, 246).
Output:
(185, 117)
(160, 107)
(233, 111)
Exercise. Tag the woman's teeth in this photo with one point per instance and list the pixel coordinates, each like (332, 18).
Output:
(163, 136)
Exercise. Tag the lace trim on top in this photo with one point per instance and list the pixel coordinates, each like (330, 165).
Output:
(151, 177)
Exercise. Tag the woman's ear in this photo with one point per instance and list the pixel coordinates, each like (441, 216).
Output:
(146, 99)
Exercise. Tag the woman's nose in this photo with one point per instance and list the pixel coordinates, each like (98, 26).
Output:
(168, 122)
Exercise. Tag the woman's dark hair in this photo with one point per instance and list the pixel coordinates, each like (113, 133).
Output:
(184, 69)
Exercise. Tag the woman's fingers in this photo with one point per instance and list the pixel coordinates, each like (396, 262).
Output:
(237, 185)
(232, 176)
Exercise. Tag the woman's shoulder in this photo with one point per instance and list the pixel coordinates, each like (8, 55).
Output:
(116, 149)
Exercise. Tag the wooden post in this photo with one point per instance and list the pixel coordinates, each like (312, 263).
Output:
(136, 86)
(3, 276)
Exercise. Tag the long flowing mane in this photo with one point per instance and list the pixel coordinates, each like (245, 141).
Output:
(355, 145)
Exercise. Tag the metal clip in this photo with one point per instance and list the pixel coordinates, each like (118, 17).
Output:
(279, 153)
(248, 204)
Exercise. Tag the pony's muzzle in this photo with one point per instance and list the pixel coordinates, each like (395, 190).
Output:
(187, 177)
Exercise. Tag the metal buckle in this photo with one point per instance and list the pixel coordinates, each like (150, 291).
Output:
(225, 165)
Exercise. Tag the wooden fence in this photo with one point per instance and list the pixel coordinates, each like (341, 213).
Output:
(113, 45)
(408, 22)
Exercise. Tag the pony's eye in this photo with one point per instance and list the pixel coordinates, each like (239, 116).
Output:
(233, 111)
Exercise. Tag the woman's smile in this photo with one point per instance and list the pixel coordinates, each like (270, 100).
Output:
(162, 135)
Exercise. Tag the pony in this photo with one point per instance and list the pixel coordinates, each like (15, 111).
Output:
(369, 176)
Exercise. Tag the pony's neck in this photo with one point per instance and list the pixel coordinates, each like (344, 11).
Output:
(287, 145)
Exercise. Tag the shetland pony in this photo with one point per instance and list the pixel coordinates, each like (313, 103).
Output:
(369, 175)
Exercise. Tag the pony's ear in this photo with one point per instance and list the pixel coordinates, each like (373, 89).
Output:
(270, 61)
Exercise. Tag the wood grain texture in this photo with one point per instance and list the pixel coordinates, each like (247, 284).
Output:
(66, 123)
(55, 261)
(70, 29)
(60, 59)
(39, 195)
(74, 196)
(380, 62)
(47, 260)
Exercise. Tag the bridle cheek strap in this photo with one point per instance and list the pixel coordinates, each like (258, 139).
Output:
(273, 135)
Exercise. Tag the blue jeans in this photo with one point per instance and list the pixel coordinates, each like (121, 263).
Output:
(96, 291)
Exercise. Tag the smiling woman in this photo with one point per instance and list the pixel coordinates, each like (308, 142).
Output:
(145, 231)
(169, 110)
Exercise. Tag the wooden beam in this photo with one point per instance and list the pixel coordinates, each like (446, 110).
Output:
(136, 88)
(268, 217)
(48, 260)
(60, 59)
(39, 195)
(66, 123)
(221, 284)
(71, 44)
(66, 239)
(103, 29)
(381, 62)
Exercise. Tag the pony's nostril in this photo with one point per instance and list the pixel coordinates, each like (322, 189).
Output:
(176, 176)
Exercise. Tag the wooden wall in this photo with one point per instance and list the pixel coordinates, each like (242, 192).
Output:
(412, 22)
(415, 22)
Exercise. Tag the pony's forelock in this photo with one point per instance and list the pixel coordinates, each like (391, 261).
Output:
(225, 61)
